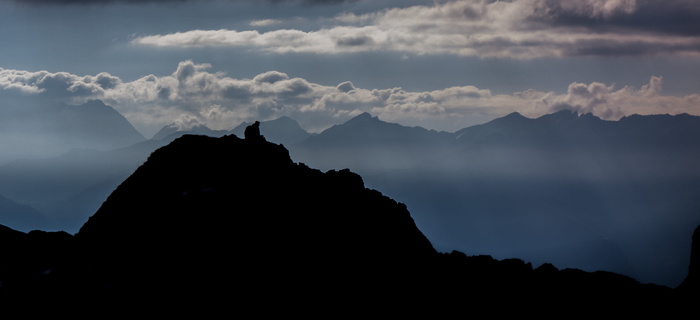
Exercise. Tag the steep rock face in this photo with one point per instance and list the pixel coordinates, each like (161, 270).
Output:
(238, 211)
(691, 284)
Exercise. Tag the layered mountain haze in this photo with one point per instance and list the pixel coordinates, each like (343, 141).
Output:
(565, 188)
(41, 128)
(21, 216)
(370, 146)
(565, 143)
(69, 188)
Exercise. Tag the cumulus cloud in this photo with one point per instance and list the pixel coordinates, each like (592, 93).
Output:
(520, 29)
(58, 85)
(194, 94)
(609, 103)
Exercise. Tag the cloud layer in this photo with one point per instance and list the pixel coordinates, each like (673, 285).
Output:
(193, 94)
(519, 29)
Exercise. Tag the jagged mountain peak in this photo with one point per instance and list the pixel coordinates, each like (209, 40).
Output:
(365, 116)
(514, 115)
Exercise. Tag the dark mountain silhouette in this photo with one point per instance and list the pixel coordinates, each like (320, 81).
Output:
(213, 225)
(50, 128)
(368, 145)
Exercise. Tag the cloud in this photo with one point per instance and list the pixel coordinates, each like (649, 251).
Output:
(608, 103)
(518, 29)
(346, 87)
(58, 85)
(194, 94)
(264, 22)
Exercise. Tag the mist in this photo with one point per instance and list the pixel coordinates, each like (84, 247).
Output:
(569, 189)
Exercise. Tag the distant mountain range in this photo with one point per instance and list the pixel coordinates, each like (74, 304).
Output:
(368, 145)
(52, 128)
(230, 225)
(569, 189)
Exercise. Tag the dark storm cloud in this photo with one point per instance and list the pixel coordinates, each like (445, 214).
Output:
(613, 48)
(677, 17)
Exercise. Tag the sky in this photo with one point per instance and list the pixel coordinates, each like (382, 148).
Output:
(441, 64)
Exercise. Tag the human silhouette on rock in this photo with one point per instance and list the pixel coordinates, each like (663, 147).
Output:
(252, 132)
